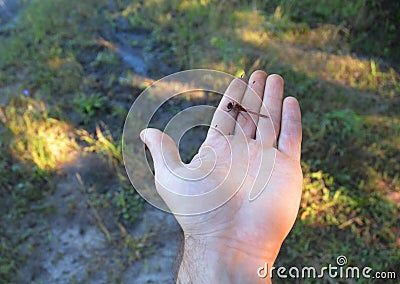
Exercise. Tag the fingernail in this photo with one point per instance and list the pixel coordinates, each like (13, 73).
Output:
(142, 134)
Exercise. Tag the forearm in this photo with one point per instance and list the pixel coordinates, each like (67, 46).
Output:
(199, 264)
(205, 262)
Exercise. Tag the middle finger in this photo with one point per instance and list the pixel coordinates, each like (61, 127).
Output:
(252, 101)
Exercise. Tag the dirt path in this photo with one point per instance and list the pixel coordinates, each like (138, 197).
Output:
(73, 246)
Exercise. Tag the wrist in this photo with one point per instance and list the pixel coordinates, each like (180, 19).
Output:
(200, 264)
(214, 260)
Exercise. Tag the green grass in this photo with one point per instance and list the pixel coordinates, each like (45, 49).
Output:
(338, 58)
(350, 145)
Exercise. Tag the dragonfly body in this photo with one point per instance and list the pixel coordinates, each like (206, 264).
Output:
(238, 108)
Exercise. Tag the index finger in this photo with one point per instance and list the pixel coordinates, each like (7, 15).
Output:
(224, 121)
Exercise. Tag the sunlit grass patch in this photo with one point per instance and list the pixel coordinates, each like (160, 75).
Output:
(250, 18)
(350, 185)
(326, 37)
(240, 36)
(362, 74)
(23, 185)
(259, 39)
(323, 204)
(38, 138)
(372, 23)
(336, 219)
(103, 144)
(133, 80)
(326, 203)
(346, 70)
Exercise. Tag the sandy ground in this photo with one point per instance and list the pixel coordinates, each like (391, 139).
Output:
(72, 248)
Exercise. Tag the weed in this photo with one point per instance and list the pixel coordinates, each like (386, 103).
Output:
(339, 126)
(104, 145)
(88, 106)
(128, 202)
(107, 58)
(136, 248)
(125, 199)
(119, 111)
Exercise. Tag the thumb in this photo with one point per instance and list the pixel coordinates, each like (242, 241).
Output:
(162, 148)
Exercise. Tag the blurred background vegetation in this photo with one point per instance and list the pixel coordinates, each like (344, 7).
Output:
(69, 71)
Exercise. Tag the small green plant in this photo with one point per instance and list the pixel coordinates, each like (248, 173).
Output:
(341, 124)
(128, 202)
(88, 106)
(103, 144)
(119, 111)
(107, 58)
(136, 247)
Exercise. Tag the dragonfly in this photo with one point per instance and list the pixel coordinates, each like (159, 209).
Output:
(236, 107)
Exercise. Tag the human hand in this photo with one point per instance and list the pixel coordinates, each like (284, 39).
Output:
(229, 243)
